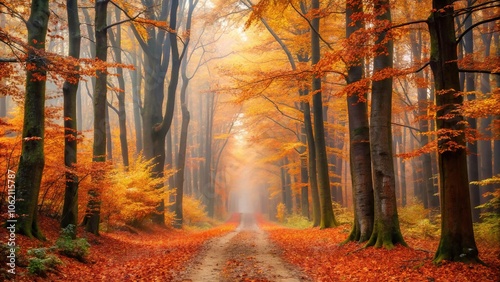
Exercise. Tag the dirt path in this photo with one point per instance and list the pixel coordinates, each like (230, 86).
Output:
(243, 255)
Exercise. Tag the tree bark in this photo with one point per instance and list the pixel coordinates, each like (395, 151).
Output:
(327, 216)
(386, 230)
(359, 140)
(70, 89)
(457, 241)
(32, 161)
(92, 216)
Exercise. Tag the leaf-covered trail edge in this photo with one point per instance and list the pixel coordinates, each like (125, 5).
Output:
(322, 256)
(157, 254)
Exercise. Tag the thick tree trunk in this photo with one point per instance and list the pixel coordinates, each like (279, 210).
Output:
(327, 216)
(386, 230)
(457, 237)
(92, 216)
(359, 140)
(32, 161)
(70, 89)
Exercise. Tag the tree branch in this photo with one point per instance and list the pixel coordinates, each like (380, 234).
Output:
(279, 110)
(475, 25)
(9, 60)
(310, 25)
(479, 71)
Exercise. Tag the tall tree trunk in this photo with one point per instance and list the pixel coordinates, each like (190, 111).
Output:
(457, 237)
(359, 139)
(311, 150)
(70, 89)
(181, 160)
(386, 230)
(32, 161)
(327, 216)
(136, 78)
(122, 114)
(92, 216)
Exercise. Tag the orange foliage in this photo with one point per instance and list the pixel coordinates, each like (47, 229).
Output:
(156, 255)
(320, 254)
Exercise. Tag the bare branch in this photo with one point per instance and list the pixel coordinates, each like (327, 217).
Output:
(475, 25)
(279, 110)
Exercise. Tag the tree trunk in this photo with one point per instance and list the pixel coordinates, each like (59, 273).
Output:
(32, 161)
(181, 161)
(327, 216)
(359, 140)
(70, 89)
(386, 230)
(136, 78)
(457, 237)
(484, 146)
(311, 160)
(92, 216)
(122, 114)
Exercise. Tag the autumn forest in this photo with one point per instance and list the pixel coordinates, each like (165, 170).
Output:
(250, 140)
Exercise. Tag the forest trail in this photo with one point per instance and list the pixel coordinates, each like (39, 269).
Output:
(243, 255)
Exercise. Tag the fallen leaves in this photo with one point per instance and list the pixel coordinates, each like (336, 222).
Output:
(157, 254)
(319, 254)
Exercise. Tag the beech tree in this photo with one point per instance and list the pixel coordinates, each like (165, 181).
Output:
(70, 88)
(386, 230)
(32, 161)
(327, 216)
(92, 216)
(457, 237)
(359, 134)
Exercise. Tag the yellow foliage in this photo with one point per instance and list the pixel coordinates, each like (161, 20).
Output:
(193, 211)
(281, 212)
(132, 195)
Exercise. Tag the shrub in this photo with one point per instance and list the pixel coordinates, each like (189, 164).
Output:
(73, 248)
(40, 263)
(133, 195)
(342, 214)
(297, 221)
(415, 221)
(193, 211)
(488, 230)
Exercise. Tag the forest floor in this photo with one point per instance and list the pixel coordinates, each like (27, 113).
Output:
(254, 250)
